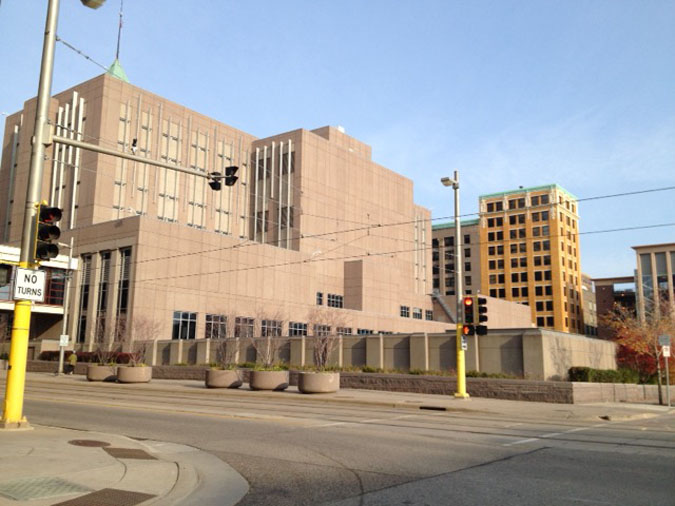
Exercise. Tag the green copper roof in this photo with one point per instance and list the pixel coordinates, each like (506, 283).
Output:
(451, 224)
(531, 189)
(117, 71)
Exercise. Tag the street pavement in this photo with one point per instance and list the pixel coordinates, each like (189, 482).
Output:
(51, 460)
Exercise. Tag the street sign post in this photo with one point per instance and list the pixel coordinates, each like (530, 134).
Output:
(29, 284)
(664, 341)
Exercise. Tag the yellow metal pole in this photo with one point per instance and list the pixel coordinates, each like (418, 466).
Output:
(461, 366)
(12, 415)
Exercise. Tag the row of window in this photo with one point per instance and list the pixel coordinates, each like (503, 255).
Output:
(416, 313)
(522, 291)
(518, 203)
(216, 327)
(449, 254)
(332, 300)
(449, 241)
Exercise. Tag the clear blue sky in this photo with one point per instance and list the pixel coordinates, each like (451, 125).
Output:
(579, 93)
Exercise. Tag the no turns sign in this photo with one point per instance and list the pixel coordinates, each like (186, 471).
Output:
(29, 285)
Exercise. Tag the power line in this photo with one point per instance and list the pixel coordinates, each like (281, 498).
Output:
(384, 253)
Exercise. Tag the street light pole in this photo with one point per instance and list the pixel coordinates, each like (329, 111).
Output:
(66, 306)
(459, 291)
(12, 416)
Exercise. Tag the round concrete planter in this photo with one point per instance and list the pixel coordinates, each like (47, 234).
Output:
(269, 380)
(223, 378)
(318, 382)
(130, 374)
(96, 372)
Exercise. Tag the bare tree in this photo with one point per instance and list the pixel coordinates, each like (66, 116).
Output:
(266, 338)
(103, 349)
(137, 340)
(639, 336)
(324, 325)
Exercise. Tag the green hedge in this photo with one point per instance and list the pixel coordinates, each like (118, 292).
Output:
(590, 375)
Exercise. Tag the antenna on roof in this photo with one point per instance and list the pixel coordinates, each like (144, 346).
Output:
(119, 31)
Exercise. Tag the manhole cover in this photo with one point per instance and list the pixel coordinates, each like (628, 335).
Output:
(108, 497)
(129, 453)
(39, 488)
(92, 443)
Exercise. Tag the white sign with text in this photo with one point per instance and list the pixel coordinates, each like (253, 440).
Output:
(29, 285)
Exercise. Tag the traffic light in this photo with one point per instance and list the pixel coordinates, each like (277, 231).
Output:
(47, 232)
(230, 177)
(468, 329)
(481, 315)
(216, 178)
(215, 182)
(5, 274)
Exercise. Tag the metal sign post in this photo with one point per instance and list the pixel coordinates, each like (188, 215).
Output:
(664, 341)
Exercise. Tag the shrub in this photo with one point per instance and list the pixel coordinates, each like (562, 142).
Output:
(588, 374)
(367, 368)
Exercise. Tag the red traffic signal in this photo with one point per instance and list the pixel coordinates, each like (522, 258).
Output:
(46, 232)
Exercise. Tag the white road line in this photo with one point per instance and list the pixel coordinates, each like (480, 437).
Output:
(554, 434)
(372, 420)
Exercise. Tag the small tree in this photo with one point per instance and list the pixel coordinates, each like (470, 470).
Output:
(104, 351)
(638, 338)
(324, 324)
(143, 331)
(268, 342)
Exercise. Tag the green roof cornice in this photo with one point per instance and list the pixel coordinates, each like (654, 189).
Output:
(451, 224)
(528, 190)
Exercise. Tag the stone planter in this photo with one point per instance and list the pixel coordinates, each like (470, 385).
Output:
(130, 374)
(96, 372)
(223, 378)
(268, 380)
(318, 382)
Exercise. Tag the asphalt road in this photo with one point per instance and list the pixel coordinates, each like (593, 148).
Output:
(299, 453)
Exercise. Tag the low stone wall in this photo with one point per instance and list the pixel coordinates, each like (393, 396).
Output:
(562, 392)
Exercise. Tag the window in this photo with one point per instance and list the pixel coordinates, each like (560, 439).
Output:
(467, 239)
(343, 330)
(435, 256)
(515, 292)
(539, 306)
(448, 241)
(549, 321)
(544, 216)
(85, 284)
(335, 300)
(434, 243)
(514, 277)
(270, 328)
(493, 279)
(537, 261)
(123, 288)
(184, 325)
(523, 261)
(363, 332)
(524, 292)
(216, 326)
(514, 262)
(467, 252)
(467, 280)
(428, 315)
(492, 264)
(490, 207)
(467, 266)
(243, 327)
(319, 298)
(449, 254)
(549, 305)
(541, 321)
(536, 231)
(539, 290)
(322, 330)
(535, 216)
(417, 313)
(405, 311)
(535, 200)
(449, 281)
(297, 329)
(544, 199)
(548, 290)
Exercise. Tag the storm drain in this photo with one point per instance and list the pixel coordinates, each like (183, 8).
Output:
(91, 443)
(108, 497)
(129, 453)
(39, 488)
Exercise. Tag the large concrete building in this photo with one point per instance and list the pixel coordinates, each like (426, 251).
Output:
(530, 253)
(655, 276)
(315, 237)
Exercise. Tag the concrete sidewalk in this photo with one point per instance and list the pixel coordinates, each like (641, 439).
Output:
(54, 466)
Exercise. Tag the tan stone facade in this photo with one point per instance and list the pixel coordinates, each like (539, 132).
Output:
(314, 236)
(530, 253)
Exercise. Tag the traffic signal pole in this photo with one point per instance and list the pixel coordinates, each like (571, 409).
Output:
(12, 415)
(459, 290)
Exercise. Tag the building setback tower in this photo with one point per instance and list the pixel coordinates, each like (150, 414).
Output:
(530, 253)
